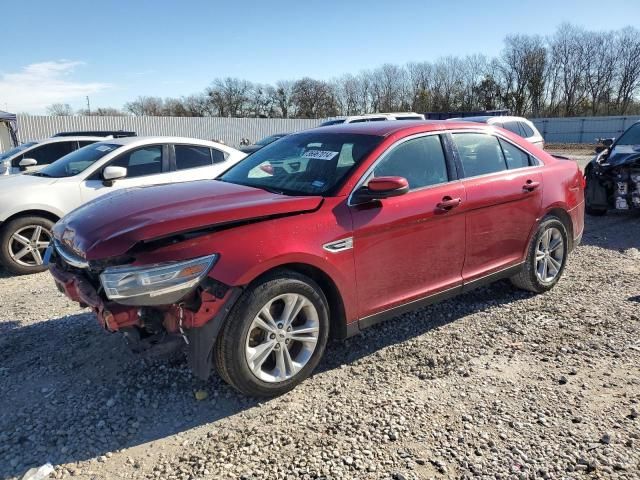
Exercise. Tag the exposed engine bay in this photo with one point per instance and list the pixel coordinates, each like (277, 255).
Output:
(613, 179)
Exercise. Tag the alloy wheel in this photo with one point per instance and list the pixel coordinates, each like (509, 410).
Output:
(27, 245)
(550, 253)
(282, 337)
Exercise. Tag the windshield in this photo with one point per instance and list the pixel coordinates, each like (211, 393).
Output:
(303, 164)
(15, 150)
(269, 139)
(631, 136)
(78, 161)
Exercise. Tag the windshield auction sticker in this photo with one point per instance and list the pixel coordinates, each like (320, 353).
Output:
(319, 154)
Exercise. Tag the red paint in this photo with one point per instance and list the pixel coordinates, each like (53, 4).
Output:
(384, 184)
(405, 247)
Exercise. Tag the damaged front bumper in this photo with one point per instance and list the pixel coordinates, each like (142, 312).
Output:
(613, 183)
(193, 323)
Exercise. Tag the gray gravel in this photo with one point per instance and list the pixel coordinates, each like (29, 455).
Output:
(497, 383)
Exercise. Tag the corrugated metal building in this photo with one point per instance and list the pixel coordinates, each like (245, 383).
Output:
(582, 129)
(229, 130)
(233, 130)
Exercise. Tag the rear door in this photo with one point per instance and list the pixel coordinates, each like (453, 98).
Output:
(195, 162)
(409, 247)
(148, 165)
(504, 198)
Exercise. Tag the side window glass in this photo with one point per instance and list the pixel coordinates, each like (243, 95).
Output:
(526, 130)
(421, 161)
(218, 156)
(141, 162)
(479, 153)
(512, 127)
(515, 157)
(190, 156)
(49, 153)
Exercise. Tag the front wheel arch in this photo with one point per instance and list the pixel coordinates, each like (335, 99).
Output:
(337, 314)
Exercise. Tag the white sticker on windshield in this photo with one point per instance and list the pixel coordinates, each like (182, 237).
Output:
(104, 148)
(319, 154)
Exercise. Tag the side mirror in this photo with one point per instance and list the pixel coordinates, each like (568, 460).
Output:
(111, 174)
(379, 188)
(25, 163)
(600, 148)
(607, 142)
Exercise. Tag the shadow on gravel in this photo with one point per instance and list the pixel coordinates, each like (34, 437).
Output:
(419, 322)
(615, 231)
(4, 273)
(71, 392)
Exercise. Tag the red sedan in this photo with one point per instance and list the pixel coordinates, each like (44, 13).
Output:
(323, 232)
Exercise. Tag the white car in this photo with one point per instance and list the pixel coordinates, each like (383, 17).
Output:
(32, 202)
(518, 125)
(374, 117)
(31, 156)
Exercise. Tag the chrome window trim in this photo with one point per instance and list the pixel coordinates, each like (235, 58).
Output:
(384, 154)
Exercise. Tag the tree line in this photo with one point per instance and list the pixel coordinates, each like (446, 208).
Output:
(574, 72)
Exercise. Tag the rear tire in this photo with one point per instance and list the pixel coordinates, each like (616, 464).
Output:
(546, 257)
(23, 241)
(262, 351)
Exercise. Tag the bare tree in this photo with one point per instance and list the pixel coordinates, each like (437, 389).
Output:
(313, 99)
(628, 68)
(102, 112)
(146, 106)
(60, 110)
(570, 59)
(600, 71)
(230, 96)
(420, 78)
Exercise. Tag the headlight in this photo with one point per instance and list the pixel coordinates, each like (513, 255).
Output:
(165, 279)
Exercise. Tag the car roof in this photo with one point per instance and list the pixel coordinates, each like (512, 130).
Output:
(136, 141)
(487, 118)
(72, 138)
(385, 129)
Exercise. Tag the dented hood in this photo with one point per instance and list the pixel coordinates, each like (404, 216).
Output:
(111, 225)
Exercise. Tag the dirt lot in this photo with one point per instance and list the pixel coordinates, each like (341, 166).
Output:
(497, 383)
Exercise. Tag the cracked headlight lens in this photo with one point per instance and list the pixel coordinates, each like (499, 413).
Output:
(155, 280)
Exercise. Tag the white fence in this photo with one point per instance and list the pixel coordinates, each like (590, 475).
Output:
(232, 130)
(229, 130)
(582, 129)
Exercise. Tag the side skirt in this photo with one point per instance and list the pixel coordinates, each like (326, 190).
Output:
(354, 328)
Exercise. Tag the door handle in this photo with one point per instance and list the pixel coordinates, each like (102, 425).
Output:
(448, 203)
(530, 186)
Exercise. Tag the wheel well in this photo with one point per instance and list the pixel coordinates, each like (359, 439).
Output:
(564, 217)
(337, 316)
(34, 213)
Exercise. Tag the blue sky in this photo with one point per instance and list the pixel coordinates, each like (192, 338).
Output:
(115, 50)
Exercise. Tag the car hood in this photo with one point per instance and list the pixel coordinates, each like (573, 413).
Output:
(624, 155)
(22, 181)
(113, 224)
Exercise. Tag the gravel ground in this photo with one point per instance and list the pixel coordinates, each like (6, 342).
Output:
(497, 383)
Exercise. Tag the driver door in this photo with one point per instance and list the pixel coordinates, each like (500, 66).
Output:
(148, 165)
(411, 246)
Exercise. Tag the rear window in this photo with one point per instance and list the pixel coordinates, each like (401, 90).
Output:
(527, 132)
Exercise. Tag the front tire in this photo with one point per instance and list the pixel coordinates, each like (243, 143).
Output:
(275, 335)
(23, 241)
(546, 257)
